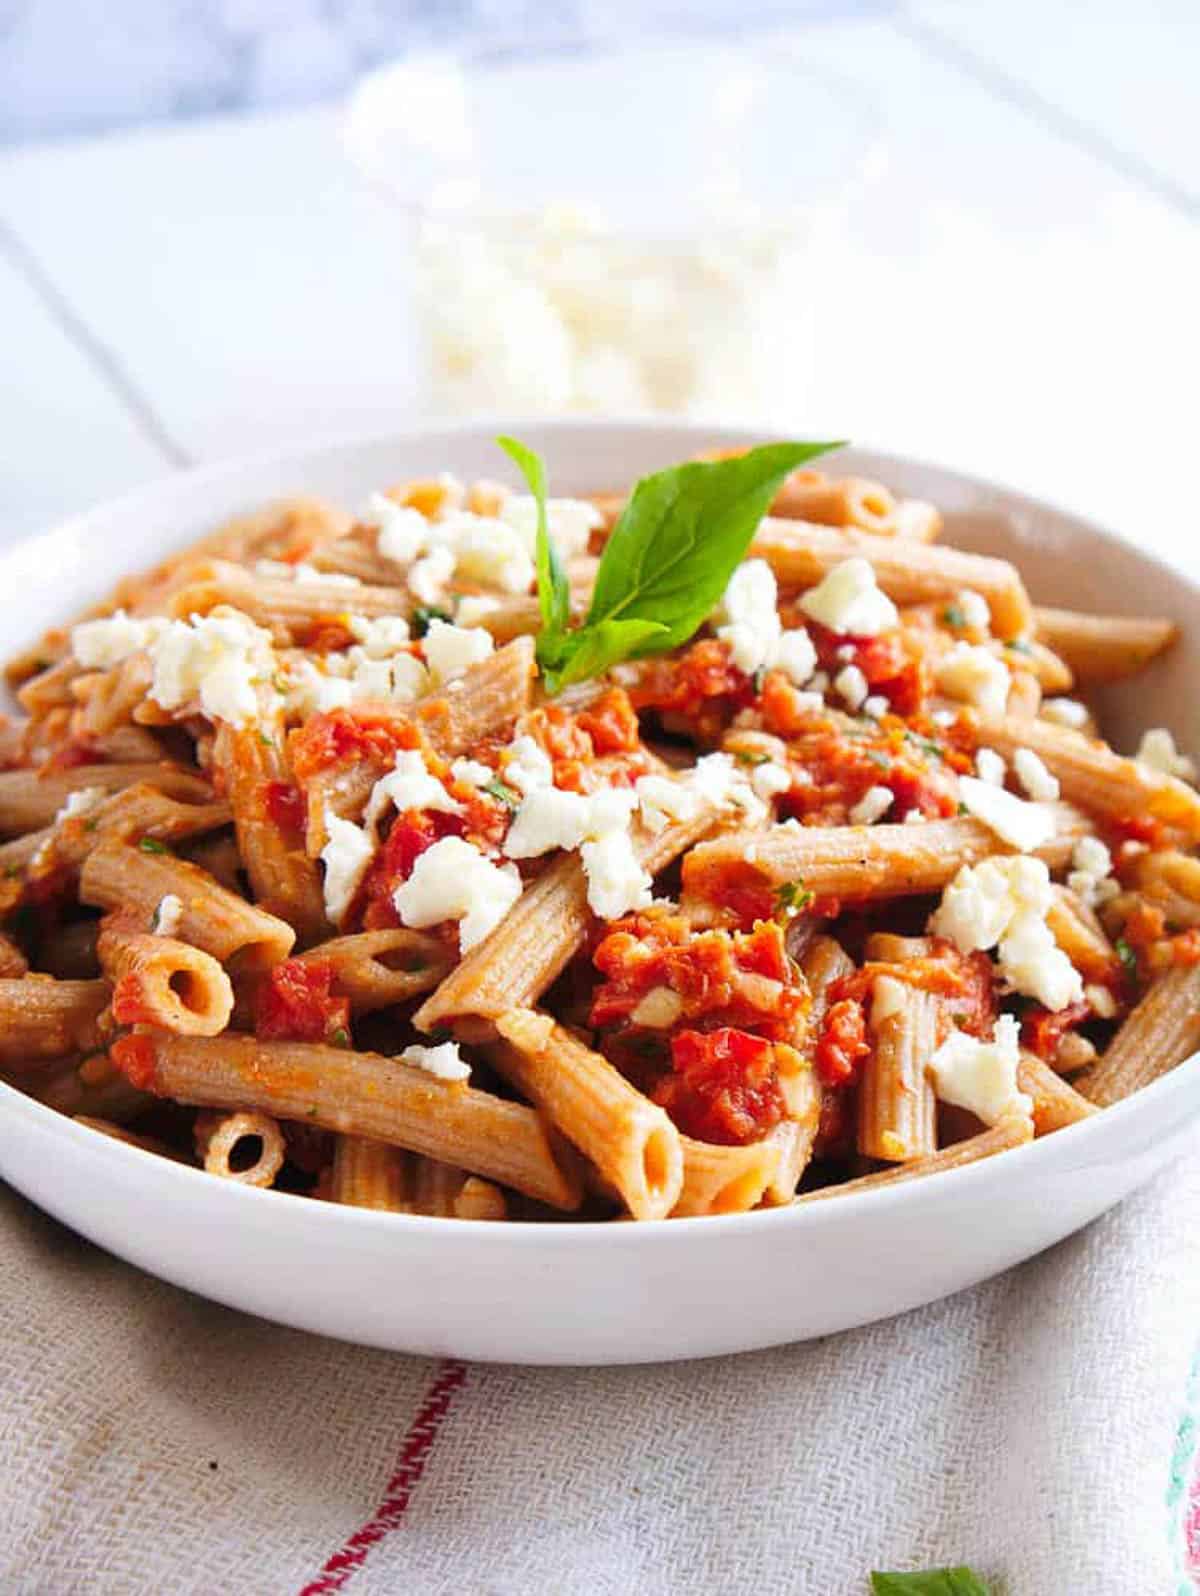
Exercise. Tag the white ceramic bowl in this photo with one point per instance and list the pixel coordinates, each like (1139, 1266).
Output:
(598, 1293)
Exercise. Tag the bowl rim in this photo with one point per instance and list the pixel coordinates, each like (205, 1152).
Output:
(16, 1105)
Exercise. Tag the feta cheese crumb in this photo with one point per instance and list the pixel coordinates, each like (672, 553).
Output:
(445, 1061)
(750, 619)
(81, 802)
(852, 685)
(427, 577)
(848, 600)
(549, 819)
(876, 706)
(474, 608)
(167, 916)
(970, 672)
(1065, 712)
(990, 767)
(402, 530)
(769, 780)
(1021, 824)
(408, 785)
(379, 638)
(719, 781)
(1091, 877)
(472, 772)
(794, 655)
(345, 856)
(1036, 965)
(453, 881)
(218, 659)
(616, 880)
(974, 607)
(1159, 755)
(661, 800)
(450, 650)
(100, 644)
(1037, 781)
(981, 1076)
(527, 765)
(872, 806)
(570, 522)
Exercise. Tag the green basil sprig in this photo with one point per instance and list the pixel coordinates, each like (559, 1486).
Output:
(958, 1581)
(667, 561)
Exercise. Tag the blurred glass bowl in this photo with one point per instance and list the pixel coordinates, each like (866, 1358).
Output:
(617, 230)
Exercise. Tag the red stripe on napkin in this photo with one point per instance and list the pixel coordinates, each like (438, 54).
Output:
(414, 1454)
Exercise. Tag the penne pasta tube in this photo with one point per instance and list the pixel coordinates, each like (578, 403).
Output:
(118, 1133)
(51, 688)
(1055, 1102)
(376, 969)
(91, 1087)
(860, 863)
(369, 1174)
(158, 980)
(837, 501)
(480, 1199)
(246, 1147)
(631, 1141)
(1169, 878)
(117, 876)
(281, 604)
(360, 1094)
(540, 934)
(13, 963)
(897, 1109)
(30, 799)
(802, 554)
(109, 699)
(1162, 1031)
(138, 811)
(1104, 648)
(1081, 936)
(1091, 775)
(724, 1180)
(1012, 1131)
(41, 1018)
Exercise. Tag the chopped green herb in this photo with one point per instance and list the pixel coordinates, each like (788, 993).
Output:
(312, 1112)
(1127, 957)
(925, 744)
(958, 1581)
(424, 613)
(760, 680)
(340, 1037)
(281, 683)
(746, 756)
(42, 665)
(12, 872)
(91, 822)
(959, 1018)
(504, 793)
(267, 742)
(152, 845)
(953, 616)
(963, 810)
(793, 897)
(878, 757)
(1019, 645)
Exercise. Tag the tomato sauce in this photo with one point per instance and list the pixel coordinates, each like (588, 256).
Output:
(295, 1003)
(842, 1044)
(723, 1087)
(134, 1056)
(702, 690)
(285, 806)
(349, 736)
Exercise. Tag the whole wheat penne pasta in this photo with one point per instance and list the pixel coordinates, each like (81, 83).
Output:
(802, 554)
(362, 1094)
(252, 762)
(377, 969)
(51, 688)
(219, 856)
(897, 1110)
(158, 980)
(108, 699)
(1080, 935)
(858, 862)
(246, 1147)
(13, 963)
(535, 941)
(793, 1140)
(1055, 1102)
(41, 1018)
(137, 812)
(1162, 1031)
(1092, 776)
(480, 1199)
(281, 604)
(357, 555)
(116, 876)
(1012, 1131)
(435, 1186)
(1104, 648)
(724, 1180)
(29, 799)
(369, 1174)
(631, 1141)
(89, 1086)
(837, 501)
(1169, 878)
(119, 1133)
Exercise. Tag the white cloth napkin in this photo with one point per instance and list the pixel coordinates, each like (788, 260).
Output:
(1034, 1427)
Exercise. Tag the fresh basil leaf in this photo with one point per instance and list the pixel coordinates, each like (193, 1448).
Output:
(424, 613)
(680, 536)
(592, 649)
(554, 593)
(958, 1581)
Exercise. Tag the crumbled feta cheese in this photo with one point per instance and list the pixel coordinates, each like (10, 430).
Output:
(305, 575)
(719, 781)
(616, 880)
(914, 817)
(480, 548)
(875, 705)
(453, 881)
(794, 655)
(982, 900)
(402, 530)
(1036, 965)
(661, 800)
(218, 659)
(570, 522)
(943, 717)
(1065, 712)
(848, 600)
(346, 855)
(990, 767)
(1021, 824)
(974, 609)
(659, 1009)
(844, 652)
(445, 1061)
(427, 577)
(80, 802)
(970, 672)
(852, 685)
(1091, 877)
(97, 645)
(408, 785)
(488, 551)
(450, 650)
(549, 819)
(527, 765)
(472, 772)
(1037, 781)
(473, 608)
(748, 620)
(872, 806)
(887, 999)
(1090, 854)
(1159, 754)
(379, 638)
(981, 1076)
(769, 780)
(167, 916)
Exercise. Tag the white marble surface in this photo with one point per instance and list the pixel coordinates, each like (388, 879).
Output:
(1016, 292)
